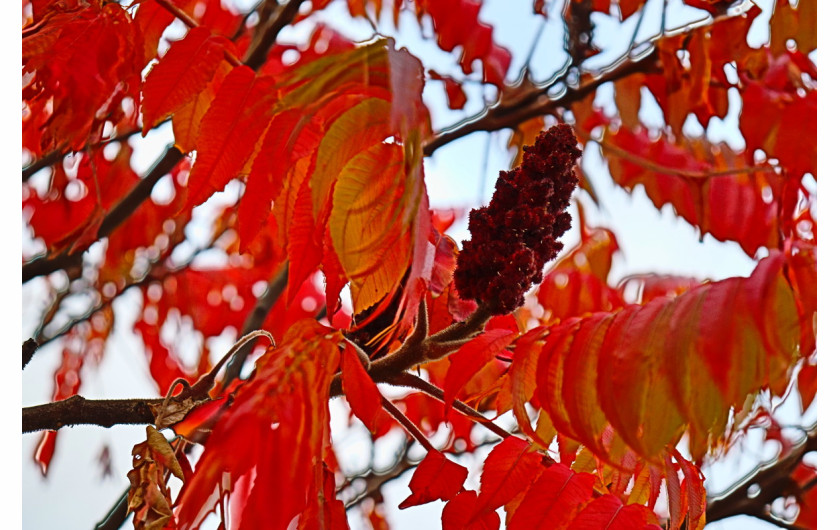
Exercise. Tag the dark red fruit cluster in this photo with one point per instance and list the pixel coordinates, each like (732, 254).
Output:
(516, 234)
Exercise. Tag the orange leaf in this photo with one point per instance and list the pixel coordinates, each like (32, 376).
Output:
(734, 337)
(695, 492)
(470, 358)
(523, 379)
(435, 478)
(239, 114)
(367, 224)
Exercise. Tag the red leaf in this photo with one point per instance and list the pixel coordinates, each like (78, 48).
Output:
(151, 20)
(278, 421)
(323, 510)
(553, 500)
(45, 450)
(508, 470)
(567, 293)
(806, 383)
(736, 336)
(181, 74)
(608, 512)
(458, 514)
(456, 23)
(470, 358)
(237, 118)
(446, 251)
(273, 176)
(362, 394)
(103, 47)
(695, 492)
(435, 478)
(774, 116)
(428, 414)
(732, 207)
(455, 96)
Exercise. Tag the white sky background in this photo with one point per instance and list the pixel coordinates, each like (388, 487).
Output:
(75, 495)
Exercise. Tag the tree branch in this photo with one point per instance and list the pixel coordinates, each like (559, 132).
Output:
(114, 218)
(773, 480)
(418, 348)
(502, 116)
(30, 346)
(77, 410)
(117, 516)
(54, 156)
(409, 426)
(265, 36)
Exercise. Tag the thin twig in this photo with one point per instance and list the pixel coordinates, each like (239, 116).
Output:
(374, 481)
(54, 156)
(258, 52)
(255, 320)
(152, 274)
(409, 426)
(190, 22)
(632, 44)
(117, 516)
(502, 117)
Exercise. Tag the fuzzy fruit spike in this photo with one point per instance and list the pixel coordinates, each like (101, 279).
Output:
(516, 234)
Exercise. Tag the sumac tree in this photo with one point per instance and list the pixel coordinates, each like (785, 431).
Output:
(601, 400)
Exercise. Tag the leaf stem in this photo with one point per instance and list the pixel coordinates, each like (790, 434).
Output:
(653, 166)
(417, 383)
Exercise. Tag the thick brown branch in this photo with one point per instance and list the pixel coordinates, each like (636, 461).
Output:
(77, 410)
(773, 480)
